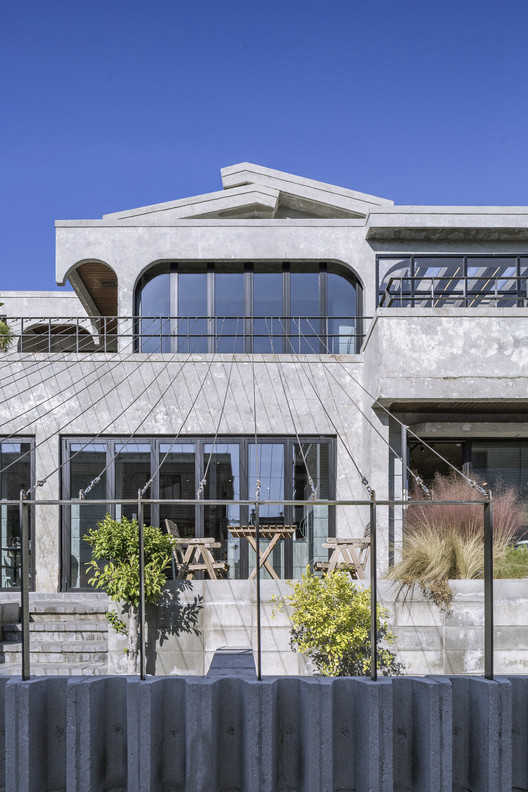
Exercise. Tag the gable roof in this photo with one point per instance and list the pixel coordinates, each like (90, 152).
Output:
(252, 191)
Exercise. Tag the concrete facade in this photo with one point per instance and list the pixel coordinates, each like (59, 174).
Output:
(473, 357)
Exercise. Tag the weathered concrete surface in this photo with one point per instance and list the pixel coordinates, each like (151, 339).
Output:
(237, 734)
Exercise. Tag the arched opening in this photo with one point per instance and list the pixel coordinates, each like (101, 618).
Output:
(95, 283)
(48, 337)
(284, 307)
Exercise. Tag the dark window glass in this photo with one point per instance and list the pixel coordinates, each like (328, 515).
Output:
(155, 307)
(192, 312)
(85, 466)
(311, 521)
(16, 458)
(177, 480)
(267, 303)
(267, 465)
(501, 463)
(229, 302)
(342, 311)
(223, 483)
(305, 326)
(426, 463)
(132, 471)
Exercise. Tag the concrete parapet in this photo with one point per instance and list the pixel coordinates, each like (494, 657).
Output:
(235, 734)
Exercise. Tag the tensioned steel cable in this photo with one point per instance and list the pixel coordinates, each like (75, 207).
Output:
(203, 482)
(94, 481)
(93, 403)
(288, 402)
(78, 392)
(97, 365)
(470, 481)
(175, 439)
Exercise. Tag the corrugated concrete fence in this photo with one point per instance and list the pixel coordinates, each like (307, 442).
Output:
(234, 734)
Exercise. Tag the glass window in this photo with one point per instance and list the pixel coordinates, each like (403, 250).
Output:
(426, 463)
(311, 521)
(15, 462)
(501, 463)
(229, 302)
(223, 483)
(268, 304)
(132, 471)
(266, 463)
(155, 307)
(86, 465)
(305, 327)
(177, 480)
(343, 338)
(235, 463)
(183, 310)
(192, 312)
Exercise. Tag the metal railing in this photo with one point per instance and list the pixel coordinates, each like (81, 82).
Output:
(151, 334)
(466, 291)
(372, 503)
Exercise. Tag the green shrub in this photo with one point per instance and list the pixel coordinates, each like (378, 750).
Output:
(330, 619)
(6, 336)
(115, 568)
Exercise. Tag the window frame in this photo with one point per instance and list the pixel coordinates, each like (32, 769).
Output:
(248, 269)
(32, 457)
(200, 461)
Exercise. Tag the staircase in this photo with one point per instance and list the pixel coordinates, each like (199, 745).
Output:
(68, 635)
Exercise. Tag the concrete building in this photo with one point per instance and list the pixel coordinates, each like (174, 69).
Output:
(278, 306)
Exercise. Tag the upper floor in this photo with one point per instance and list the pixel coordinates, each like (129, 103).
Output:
(270, 263)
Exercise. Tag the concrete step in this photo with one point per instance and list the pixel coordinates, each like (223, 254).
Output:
(47, 652)
(56, 669)
(58, 631)
(68, 611)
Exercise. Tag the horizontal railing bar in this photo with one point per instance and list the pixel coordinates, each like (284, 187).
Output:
(246, 502)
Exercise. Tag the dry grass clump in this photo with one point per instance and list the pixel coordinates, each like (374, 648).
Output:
(444, 542)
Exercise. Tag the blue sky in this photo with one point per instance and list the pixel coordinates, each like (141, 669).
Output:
(107, 105)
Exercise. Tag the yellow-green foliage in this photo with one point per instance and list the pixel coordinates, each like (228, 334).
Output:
(330, 619)
(115, 559)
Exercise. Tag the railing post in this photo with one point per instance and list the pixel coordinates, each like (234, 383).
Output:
(488, 588)
(141, 588)
(24, 581)
(259, 632)
(373, 592)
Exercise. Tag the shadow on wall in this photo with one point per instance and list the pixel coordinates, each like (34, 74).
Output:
(170, 617)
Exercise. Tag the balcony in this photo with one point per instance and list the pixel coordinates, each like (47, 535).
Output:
(456, 281)
(188, 334)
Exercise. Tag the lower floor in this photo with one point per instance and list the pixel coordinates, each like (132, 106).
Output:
(281, 469)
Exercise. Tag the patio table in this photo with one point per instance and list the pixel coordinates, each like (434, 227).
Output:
(274, 533)
(350, 554)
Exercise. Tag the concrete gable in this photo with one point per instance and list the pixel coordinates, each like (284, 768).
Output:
(251, 191)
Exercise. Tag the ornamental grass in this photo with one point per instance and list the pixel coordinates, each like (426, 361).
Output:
(443, 542)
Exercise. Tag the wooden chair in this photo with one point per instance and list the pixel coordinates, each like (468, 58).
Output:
(350, 554)
(194, 555)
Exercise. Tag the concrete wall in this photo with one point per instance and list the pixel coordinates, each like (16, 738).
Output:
(427, 641)
(234, 734)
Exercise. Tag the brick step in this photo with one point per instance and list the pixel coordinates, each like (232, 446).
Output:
(56, 669)
(55, 631)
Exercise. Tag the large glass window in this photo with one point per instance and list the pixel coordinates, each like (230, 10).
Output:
(15, 475)
(275, 307)
(493, 462)
(231, 467)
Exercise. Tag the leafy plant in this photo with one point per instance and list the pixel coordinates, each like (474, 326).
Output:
(330, 619)
(445, 542)
(6, 336)
(115, 569)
